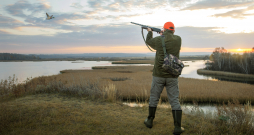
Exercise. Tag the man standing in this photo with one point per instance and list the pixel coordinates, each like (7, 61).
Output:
(162, 78)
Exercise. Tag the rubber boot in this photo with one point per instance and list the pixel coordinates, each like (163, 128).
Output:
(149, 120)
(177, 115)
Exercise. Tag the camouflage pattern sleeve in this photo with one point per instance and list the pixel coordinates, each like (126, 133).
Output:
(150, 40)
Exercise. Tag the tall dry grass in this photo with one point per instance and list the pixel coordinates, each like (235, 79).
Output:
(110, 93)
(236, 118)
(140, 78)
(232, 118)
(85, 88)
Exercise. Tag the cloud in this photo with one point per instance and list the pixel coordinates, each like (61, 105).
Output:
(76, 5)
(218, 4)
(100, 6)
(237, 14)
(8, 22)
(3, 32)
(18, 8)
(208, 38)
(125, 35)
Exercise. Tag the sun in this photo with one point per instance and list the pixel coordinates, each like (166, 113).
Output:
(239, 50)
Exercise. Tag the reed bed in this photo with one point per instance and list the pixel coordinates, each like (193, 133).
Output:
(139, 83)
(228, 74)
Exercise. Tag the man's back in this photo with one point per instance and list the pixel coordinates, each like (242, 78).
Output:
(173, 46)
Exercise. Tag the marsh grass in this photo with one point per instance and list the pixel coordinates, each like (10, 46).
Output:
(77, 106)
(119, 79)
(140, 78)
(86, 88)
(110, 93)
(236, 118)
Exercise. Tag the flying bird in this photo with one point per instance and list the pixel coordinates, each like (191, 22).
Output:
(49, 17)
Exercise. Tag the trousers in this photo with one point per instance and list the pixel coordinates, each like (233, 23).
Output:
(172, 89)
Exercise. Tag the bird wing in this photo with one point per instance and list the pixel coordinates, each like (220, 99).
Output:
(47, 14)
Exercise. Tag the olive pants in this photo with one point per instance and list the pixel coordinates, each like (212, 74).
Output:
(171, 85)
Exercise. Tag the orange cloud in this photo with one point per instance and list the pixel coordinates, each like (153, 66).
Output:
(4, 31)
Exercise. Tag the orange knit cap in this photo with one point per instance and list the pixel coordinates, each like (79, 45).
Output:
(169, 26)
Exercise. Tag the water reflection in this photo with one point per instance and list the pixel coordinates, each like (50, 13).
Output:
(187, 108)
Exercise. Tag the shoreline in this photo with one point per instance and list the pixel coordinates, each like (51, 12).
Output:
(227, 74)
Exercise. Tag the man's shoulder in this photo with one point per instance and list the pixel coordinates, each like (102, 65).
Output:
(177, 36)
(157, 37)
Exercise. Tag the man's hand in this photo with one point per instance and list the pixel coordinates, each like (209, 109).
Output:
(149, 29)
(161, 33)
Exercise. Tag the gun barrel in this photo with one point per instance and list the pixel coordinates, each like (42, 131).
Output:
(145, 27)
(139, 24)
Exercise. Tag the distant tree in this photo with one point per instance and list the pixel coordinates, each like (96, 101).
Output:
(225, 61)
(218, 57)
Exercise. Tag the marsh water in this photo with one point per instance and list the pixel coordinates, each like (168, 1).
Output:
(205, 109)
(30, 69)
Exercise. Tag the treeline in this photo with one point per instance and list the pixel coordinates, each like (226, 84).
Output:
(221, 60)
(14, 56)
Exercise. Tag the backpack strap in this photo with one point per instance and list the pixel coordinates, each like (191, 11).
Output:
(163, 46)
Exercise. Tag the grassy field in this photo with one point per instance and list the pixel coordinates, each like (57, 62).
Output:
(53, 114)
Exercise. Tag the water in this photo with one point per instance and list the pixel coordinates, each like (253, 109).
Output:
(191, 72)
(185, 107)
(28, 69)
(210, 110)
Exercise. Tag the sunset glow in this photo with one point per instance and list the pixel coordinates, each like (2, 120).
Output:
(239, 50)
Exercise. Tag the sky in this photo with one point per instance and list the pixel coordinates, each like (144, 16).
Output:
(103, 26)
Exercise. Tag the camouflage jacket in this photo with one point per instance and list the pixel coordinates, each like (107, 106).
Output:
(173, 46)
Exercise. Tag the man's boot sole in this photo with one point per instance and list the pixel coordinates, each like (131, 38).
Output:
(147, 125)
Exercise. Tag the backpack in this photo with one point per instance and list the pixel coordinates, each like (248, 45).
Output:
(171, 63)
